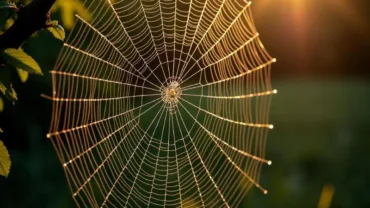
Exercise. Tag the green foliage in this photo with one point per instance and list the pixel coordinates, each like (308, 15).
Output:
(23, 75)
(6, 13)
(4, 156)
(4, 160)
(16, 59)
(57, 30)
(12, 59)
(9, 92)
(1, 107)
(19, 59)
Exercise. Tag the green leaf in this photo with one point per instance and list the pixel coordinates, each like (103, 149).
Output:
(57, 31)
(9, 92)
(5, 82)
(21, 60)
(3, 19)
(1, 107)
(23, 75)
(5, 162)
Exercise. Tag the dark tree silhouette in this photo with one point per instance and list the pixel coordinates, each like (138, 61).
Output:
(31, 19)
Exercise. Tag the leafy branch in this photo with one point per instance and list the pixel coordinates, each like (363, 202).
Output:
(29, 19)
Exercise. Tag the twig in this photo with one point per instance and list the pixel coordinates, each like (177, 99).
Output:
(31, 19)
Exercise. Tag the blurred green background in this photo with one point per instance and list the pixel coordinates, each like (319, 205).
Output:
(321, 113)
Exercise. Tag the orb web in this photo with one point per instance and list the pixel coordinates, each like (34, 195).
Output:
(162, 103)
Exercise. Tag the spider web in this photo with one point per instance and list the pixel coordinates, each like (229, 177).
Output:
(162, 103)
